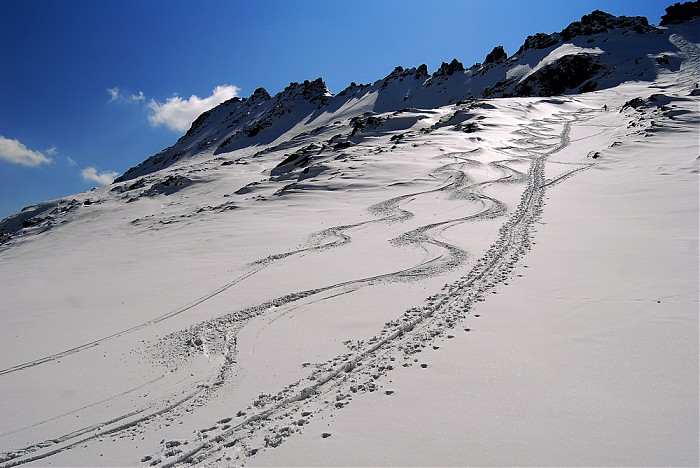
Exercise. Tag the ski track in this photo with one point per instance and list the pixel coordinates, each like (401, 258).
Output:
(407, 334)
(96, 431)
(155, 320)
(356, 371)
(391, 213)
(126, 392)
(395, 214)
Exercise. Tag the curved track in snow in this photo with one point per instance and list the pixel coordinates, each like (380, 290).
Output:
(389, 211)
(220, 333)
(405, 335)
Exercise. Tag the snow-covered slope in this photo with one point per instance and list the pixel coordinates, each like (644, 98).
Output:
(474, 267)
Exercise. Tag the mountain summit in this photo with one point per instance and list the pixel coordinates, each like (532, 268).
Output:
(600, 51)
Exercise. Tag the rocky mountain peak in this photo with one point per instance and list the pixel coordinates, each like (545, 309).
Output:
(599, 22)
(496, 55)
(265, 118)
(537, 41)
(422, 71)
(447, 69)
(400, 73)
(352, 89)
(260, 95)
(314, 92)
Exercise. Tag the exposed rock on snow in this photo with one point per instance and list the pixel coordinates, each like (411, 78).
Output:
(496, 55)
(538, 41)
(680, 13)
(600, 22)
(262, 119)
(567, 73)
(448, 69)
(168, 186)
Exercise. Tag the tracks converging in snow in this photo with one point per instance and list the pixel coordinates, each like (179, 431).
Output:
(357, 371)
(270, 419)
(403, 335)
(389, 211)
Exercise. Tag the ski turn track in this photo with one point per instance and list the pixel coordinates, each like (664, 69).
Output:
(219, 335)
(335, 237)
(333, 384)
(356, 371)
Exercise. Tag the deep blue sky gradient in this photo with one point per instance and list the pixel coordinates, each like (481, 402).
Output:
(57, 59)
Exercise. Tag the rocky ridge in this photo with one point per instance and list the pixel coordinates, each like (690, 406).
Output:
(536, 69)
(600, 51)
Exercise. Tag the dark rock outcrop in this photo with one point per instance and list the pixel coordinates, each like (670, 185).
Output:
(314, 91)
(599, 22)
(568, 72)
(537, 41)
(260, 95)
(447, 69)
(400, 74)
(680, 13)
(496, 55)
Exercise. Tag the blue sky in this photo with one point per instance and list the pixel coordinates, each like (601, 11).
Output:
(89, 88)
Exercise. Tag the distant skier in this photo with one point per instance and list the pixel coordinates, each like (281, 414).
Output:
(605, 107)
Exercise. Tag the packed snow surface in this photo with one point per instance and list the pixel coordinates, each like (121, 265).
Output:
(510, 281)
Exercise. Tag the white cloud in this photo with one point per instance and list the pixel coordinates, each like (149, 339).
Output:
(90, 174)
(178, 114)
(71, 162)
(116, 95)
(113, 94)
(15, 152)
(51, 151)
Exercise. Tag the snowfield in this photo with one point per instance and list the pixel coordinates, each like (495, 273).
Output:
(508, 281)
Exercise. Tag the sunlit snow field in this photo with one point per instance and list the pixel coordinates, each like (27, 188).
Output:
(526, 294)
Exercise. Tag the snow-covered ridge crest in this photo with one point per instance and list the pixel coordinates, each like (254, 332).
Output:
(598, 52)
